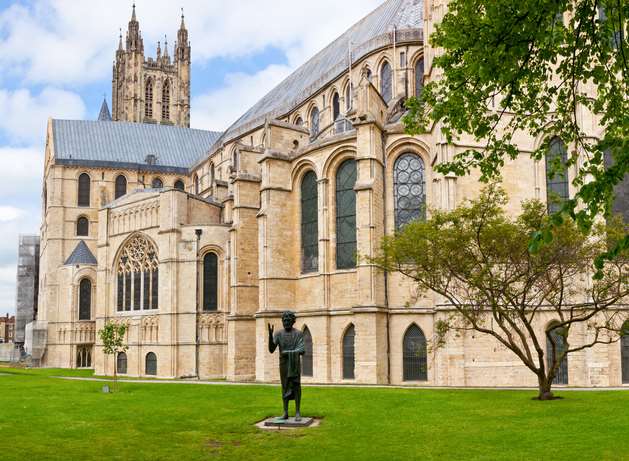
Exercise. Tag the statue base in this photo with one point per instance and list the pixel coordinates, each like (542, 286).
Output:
(290, 422)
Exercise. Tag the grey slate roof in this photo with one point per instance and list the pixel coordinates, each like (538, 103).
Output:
(127, 145)
(104, 114)
(81, 256)
(371, 32)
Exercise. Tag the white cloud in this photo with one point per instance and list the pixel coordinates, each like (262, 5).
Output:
(26, 166)
(23, 115)
(65, 41)
(10, 213)
(217, 109)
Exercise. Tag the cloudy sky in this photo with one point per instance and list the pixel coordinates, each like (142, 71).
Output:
(56, 57)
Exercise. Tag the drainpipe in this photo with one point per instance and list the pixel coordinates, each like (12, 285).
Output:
(386, 274)
(198, 233)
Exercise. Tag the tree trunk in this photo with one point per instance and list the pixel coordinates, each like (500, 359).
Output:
(115, 374)
(545, 385)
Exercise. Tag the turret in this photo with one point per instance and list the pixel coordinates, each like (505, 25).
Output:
(182, 50)
(134, 36)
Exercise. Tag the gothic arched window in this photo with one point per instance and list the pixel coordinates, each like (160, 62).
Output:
(556, 175)
(84, 190)
(85, 299)
(346, 215)
(409, 189)
(414, 357)
(197, 185)
(157, 183)
(179, 185)
(419, 77)
(150, 364)
(121, 186)
(348, 96)
(148, 99)
(348, 353)
(306, 360)
(210, 282)
(82, 227)
(620, 205)
(336, 106)
(121, 363)
(299, 121)
(166, 101)
(553, 336)
(386, 82)
(314, 122)
(83, 357)
(624, 353)
(309, 223)
(138, 275)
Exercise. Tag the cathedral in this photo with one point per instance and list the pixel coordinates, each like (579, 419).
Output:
(196, 240)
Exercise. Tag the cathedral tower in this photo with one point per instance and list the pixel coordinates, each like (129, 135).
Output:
(148, 90)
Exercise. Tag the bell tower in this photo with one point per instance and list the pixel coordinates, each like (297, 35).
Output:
(151, 90)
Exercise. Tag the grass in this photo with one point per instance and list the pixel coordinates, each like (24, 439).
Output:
(45, 418)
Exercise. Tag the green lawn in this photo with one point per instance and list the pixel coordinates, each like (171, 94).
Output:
(46, 418)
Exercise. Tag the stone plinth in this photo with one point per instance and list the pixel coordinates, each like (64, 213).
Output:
(277, 422)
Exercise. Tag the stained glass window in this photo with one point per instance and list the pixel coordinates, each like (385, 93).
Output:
(179, 185)
(85, 299)
(138, 275)
(336, 106)
(314, 122)
(157, 183)
(121, 363)
(556, 175)
(419, 77)
(151, 364)
(346, 215)
(84, 190)
(348, 353)
(309, 223)
(210, 282)
(386, 82)
(415, 363)
(409, 189)
(82, 227)
(121, 186)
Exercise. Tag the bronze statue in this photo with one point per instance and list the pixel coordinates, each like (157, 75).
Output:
(291, 344)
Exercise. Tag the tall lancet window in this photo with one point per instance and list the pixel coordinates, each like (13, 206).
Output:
(166, 101)
(336, 106)
(309, 224)
(556, 175)
(419, 77)
(314, 123)
(386, 82)
(346, 215)
(148, 99)
(138, 273)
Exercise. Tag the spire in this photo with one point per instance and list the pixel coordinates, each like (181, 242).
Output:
(120, 41)
(182, 49)
(134, 37)
(159, 51)
(166, 57)
(104, 115)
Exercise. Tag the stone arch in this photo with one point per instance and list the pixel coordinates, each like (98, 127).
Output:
(414, 354)
(348, 352)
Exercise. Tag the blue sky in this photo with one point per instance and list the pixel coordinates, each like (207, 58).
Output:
(56, 58)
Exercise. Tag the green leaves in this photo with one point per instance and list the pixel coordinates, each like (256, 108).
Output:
(545, 68)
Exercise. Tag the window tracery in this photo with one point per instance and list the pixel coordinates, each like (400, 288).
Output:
(138, 276)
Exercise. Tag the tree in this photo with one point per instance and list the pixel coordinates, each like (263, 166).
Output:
(112, 336)
(537, 67)
(477, 259)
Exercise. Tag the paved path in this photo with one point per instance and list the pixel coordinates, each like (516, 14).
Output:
(375, 386)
